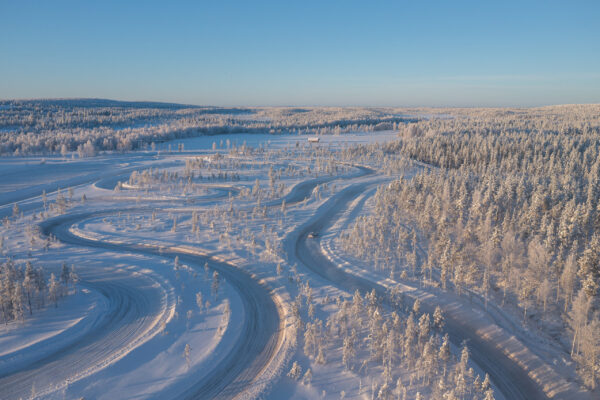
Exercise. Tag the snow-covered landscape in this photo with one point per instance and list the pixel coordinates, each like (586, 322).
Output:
(275, 200)
(339, 263)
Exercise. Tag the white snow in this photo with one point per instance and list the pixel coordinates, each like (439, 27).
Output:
(147, 360)
(22, 342)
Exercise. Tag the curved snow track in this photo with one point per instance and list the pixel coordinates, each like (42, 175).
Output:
(136, 310)
(509, 377)
(135, 314)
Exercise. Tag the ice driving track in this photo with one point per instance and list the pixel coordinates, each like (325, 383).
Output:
(136, 308)
(508, 376)
(133, 312)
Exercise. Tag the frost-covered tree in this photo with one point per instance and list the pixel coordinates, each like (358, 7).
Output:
(64, 274)
(295, 372)
(18, 302)
(54, 290)
(215, 284)
(438, 318)
(199, 301)
(187, 353)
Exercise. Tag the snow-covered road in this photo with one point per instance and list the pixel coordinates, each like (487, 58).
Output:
(134, 309)
(139, 303)
(508, 374)
(137, 306)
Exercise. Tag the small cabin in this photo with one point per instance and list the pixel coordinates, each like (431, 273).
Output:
(313, 140)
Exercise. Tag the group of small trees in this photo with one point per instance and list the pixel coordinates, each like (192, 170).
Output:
(23, 290)
(222, 168)
(408, 354)
(165, 181)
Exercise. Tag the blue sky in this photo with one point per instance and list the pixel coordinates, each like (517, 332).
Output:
(399, 53)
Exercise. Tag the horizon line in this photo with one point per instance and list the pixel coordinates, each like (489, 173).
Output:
(165, 102)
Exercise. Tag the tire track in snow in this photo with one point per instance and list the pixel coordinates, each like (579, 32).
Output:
(138, 305)
(130, 318)
(261, 334)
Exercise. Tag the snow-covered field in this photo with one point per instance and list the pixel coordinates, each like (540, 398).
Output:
(211, 267)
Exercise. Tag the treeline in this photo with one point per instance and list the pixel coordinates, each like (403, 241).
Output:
(40, 127)
(23, 290)
(512, 213)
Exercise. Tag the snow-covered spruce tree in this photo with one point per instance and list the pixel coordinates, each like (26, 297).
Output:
(295, 372)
